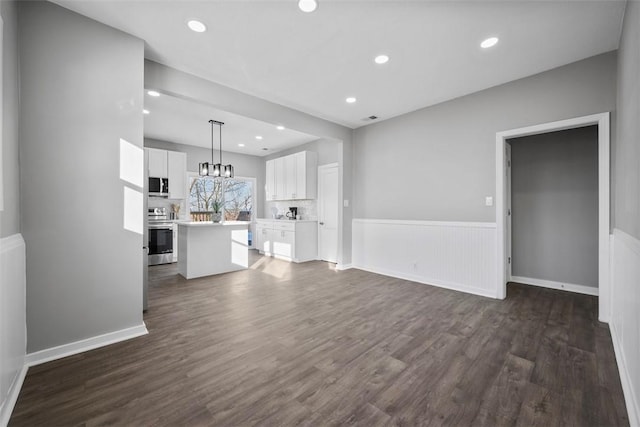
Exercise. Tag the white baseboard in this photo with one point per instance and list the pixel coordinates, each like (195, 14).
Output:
(419, 279)
(12, 397)
(633, 411)
(340, 267)
(579, 289)
(49, 354)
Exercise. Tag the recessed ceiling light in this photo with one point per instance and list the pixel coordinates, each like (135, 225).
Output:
(350, 100)
(491, 41)
(153, 93)
(307, 5)
(258, 137)
(240, 145)
(145, 111)
(280, 127)
(197, 26)
(381, 59)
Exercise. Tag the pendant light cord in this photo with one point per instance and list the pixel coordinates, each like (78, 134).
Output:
(211, 121)
(220, 125)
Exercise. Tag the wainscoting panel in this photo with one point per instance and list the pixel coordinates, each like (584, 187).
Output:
(13, 322)
(453, 255)
(625, 317)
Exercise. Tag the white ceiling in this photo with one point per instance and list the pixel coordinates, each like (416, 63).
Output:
(187, 122)
(312, 62)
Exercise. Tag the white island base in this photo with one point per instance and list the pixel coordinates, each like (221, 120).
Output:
(206, 248)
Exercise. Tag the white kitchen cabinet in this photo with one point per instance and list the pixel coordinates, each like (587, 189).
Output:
(306, 175)
(293, 177)
(175, 242)
(177, 174)
(289, 166)
(281, 187)
(295, 241)
(157, 163)
(270, 184)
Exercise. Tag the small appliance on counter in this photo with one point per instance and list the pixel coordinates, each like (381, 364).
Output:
(293, 212)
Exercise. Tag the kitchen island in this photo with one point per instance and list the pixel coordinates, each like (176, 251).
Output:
(206, 248)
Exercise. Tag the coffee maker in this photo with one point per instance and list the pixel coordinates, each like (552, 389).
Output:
(293, 212)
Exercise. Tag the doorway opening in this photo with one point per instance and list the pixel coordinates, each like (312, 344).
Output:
(503, 220)
(328, 212)
(552, 210)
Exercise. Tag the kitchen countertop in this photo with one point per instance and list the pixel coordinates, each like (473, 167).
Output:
(212, 224)
(286, 220)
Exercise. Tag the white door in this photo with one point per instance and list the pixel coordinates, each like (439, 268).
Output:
(509, 260)
(328, 205)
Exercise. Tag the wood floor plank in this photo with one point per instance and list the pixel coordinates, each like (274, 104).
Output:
(304, 344)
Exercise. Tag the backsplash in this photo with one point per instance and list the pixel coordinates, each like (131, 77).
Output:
(159, 202)
(307, 209)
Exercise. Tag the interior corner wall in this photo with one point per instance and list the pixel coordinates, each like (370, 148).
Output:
(554, 206)
(625, 268)
(439, 162)
(81, 93)
(13, 337)
(10, 215)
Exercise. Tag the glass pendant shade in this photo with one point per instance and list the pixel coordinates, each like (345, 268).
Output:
(228, 171)
(204, 169)
(217, 170)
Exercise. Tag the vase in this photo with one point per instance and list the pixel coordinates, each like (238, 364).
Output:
(217, 216)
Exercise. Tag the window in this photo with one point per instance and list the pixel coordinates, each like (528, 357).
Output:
(234, 196)
(204, 193)
(238, 199)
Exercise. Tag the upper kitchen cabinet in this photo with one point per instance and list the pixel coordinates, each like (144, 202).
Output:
(171, 165)
(177, 174)
(158, 167)
(292, 177)
(306, 166)
(270, 184)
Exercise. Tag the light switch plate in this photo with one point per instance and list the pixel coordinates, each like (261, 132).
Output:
(345, 203)
(488, 201)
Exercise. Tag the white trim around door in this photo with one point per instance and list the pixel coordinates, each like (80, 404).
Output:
(602, 121)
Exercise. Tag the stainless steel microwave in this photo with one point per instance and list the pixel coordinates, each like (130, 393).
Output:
(158, 187)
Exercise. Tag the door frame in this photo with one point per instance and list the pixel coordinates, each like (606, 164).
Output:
(339, 225)
(602, 120)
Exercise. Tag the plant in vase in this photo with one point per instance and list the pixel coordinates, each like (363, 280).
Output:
(217, 211)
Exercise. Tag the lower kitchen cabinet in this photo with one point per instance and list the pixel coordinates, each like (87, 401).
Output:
(295, 241)
(175, 242)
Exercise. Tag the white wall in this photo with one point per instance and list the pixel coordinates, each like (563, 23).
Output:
(81, 93)
(452, 255)
(625, 280)
(13, 338)
(438, 163)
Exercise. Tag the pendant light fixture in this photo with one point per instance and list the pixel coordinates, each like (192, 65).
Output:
(216, 170)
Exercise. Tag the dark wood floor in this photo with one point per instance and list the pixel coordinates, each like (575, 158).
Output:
(284, 344)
